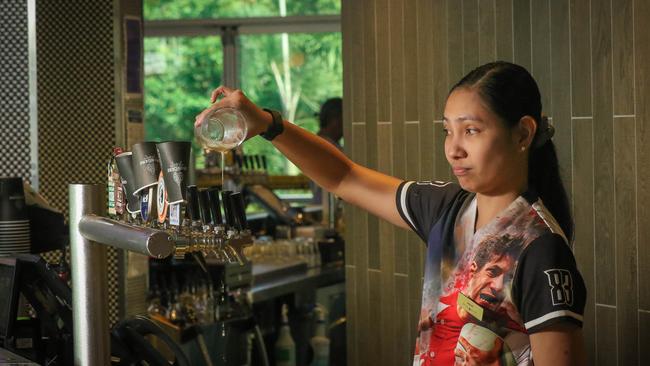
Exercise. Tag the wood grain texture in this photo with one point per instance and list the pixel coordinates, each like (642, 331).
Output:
(626, 252)
(644, 333)
(560, 90)
(370, 81)
(403, 341)
(388, 349)
(352, 323)
(642, 88)
(522, 31)
(470, 35)
(440, 58)
(580, 59)
(374, 310)
(383, 60)
(356, 54)
(487, 45)
(411, 75)
(425, 67)
(455, 55)
(505, 43)
(396, 51)
(583, 215)
(604, 154)
(606, 348)
(541, 51)
(623, 60)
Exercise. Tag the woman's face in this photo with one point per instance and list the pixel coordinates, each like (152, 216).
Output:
(484, 155)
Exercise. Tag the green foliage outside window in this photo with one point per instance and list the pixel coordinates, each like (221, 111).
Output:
(210, 9)
(180, 72)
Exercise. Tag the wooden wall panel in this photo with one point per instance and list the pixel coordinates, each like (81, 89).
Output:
(642, 97)
(583, 246)
(560, 92)
(580, 58)
(623, 68)
(606, 343)
(541, 50)
(410, 41)
(375, 309)
(455, 52)
(425, 86)
(383, 61)
(603, 158)
(626, 259)
(487, 38)
(470, 34)
(505, 27)
(522, 33)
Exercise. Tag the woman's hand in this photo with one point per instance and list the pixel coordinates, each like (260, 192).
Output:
(257, 119)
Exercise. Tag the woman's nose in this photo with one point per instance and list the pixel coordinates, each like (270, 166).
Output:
(454, 148)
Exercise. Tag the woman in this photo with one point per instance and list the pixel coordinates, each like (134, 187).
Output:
(501, 284)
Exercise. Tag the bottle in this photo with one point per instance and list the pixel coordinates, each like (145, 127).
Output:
(285, 347)
(320, 343)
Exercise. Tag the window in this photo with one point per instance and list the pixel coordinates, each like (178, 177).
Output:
(276, 67)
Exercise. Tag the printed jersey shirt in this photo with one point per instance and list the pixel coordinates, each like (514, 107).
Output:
(485, 292)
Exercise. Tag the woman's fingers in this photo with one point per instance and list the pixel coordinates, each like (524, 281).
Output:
(222, 90)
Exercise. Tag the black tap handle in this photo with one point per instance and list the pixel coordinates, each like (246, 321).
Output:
(264, 166)
(204, 203)
(227, 208)
(239, 208)
(246, 162)
(215, 205)
(257, 161)
(193, 203)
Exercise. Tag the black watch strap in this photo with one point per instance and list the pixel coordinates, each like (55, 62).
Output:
(276, 127)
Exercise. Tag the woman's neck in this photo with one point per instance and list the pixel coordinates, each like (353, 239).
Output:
(488, 207)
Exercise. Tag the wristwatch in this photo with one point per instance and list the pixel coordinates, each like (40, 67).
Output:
(276, 126)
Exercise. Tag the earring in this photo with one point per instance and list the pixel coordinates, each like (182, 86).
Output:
(523, 148)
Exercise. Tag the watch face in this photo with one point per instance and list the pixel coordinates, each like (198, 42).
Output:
(161, 200)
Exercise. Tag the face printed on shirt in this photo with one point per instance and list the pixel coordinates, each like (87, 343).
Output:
(486, 284)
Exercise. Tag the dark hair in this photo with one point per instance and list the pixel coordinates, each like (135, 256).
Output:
(331, 109)
(511, 93)
(497, 246)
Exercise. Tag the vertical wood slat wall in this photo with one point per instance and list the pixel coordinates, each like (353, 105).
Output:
(591, 59)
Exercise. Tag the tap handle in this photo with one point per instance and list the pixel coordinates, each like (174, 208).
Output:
(215, 205)
(239, 210)
(258, 162)
(204, 203)
(264, 165)
(193, 203)
(227, 208)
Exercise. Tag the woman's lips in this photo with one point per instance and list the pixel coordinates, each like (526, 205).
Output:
(460, 171)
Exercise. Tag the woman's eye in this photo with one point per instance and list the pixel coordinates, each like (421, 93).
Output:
(471, 131)
(445, 131)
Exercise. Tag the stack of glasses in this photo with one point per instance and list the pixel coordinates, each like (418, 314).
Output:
(14, 219)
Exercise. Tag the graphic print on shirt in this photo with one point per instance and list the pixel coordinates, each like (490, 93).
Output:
(471, 318)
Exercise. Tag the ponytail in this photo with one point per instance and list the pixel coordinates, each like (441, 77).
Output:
(544, 178)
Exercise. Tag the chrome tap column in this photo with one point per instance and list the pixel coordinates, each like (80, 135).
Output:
(89, 280)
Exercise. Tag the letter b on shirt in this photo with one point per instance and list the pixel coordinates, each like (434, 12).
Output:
(561, 285)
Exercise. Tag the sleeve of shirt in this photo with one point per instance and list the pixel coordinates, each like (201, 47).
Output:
(421, 204)
(548, 287)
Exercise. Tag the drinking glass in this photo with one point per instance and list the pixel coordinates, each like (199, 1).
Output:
(221, 130)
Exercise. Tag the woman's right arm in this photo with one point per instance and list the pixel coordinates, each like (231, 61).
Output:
(320, 160)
